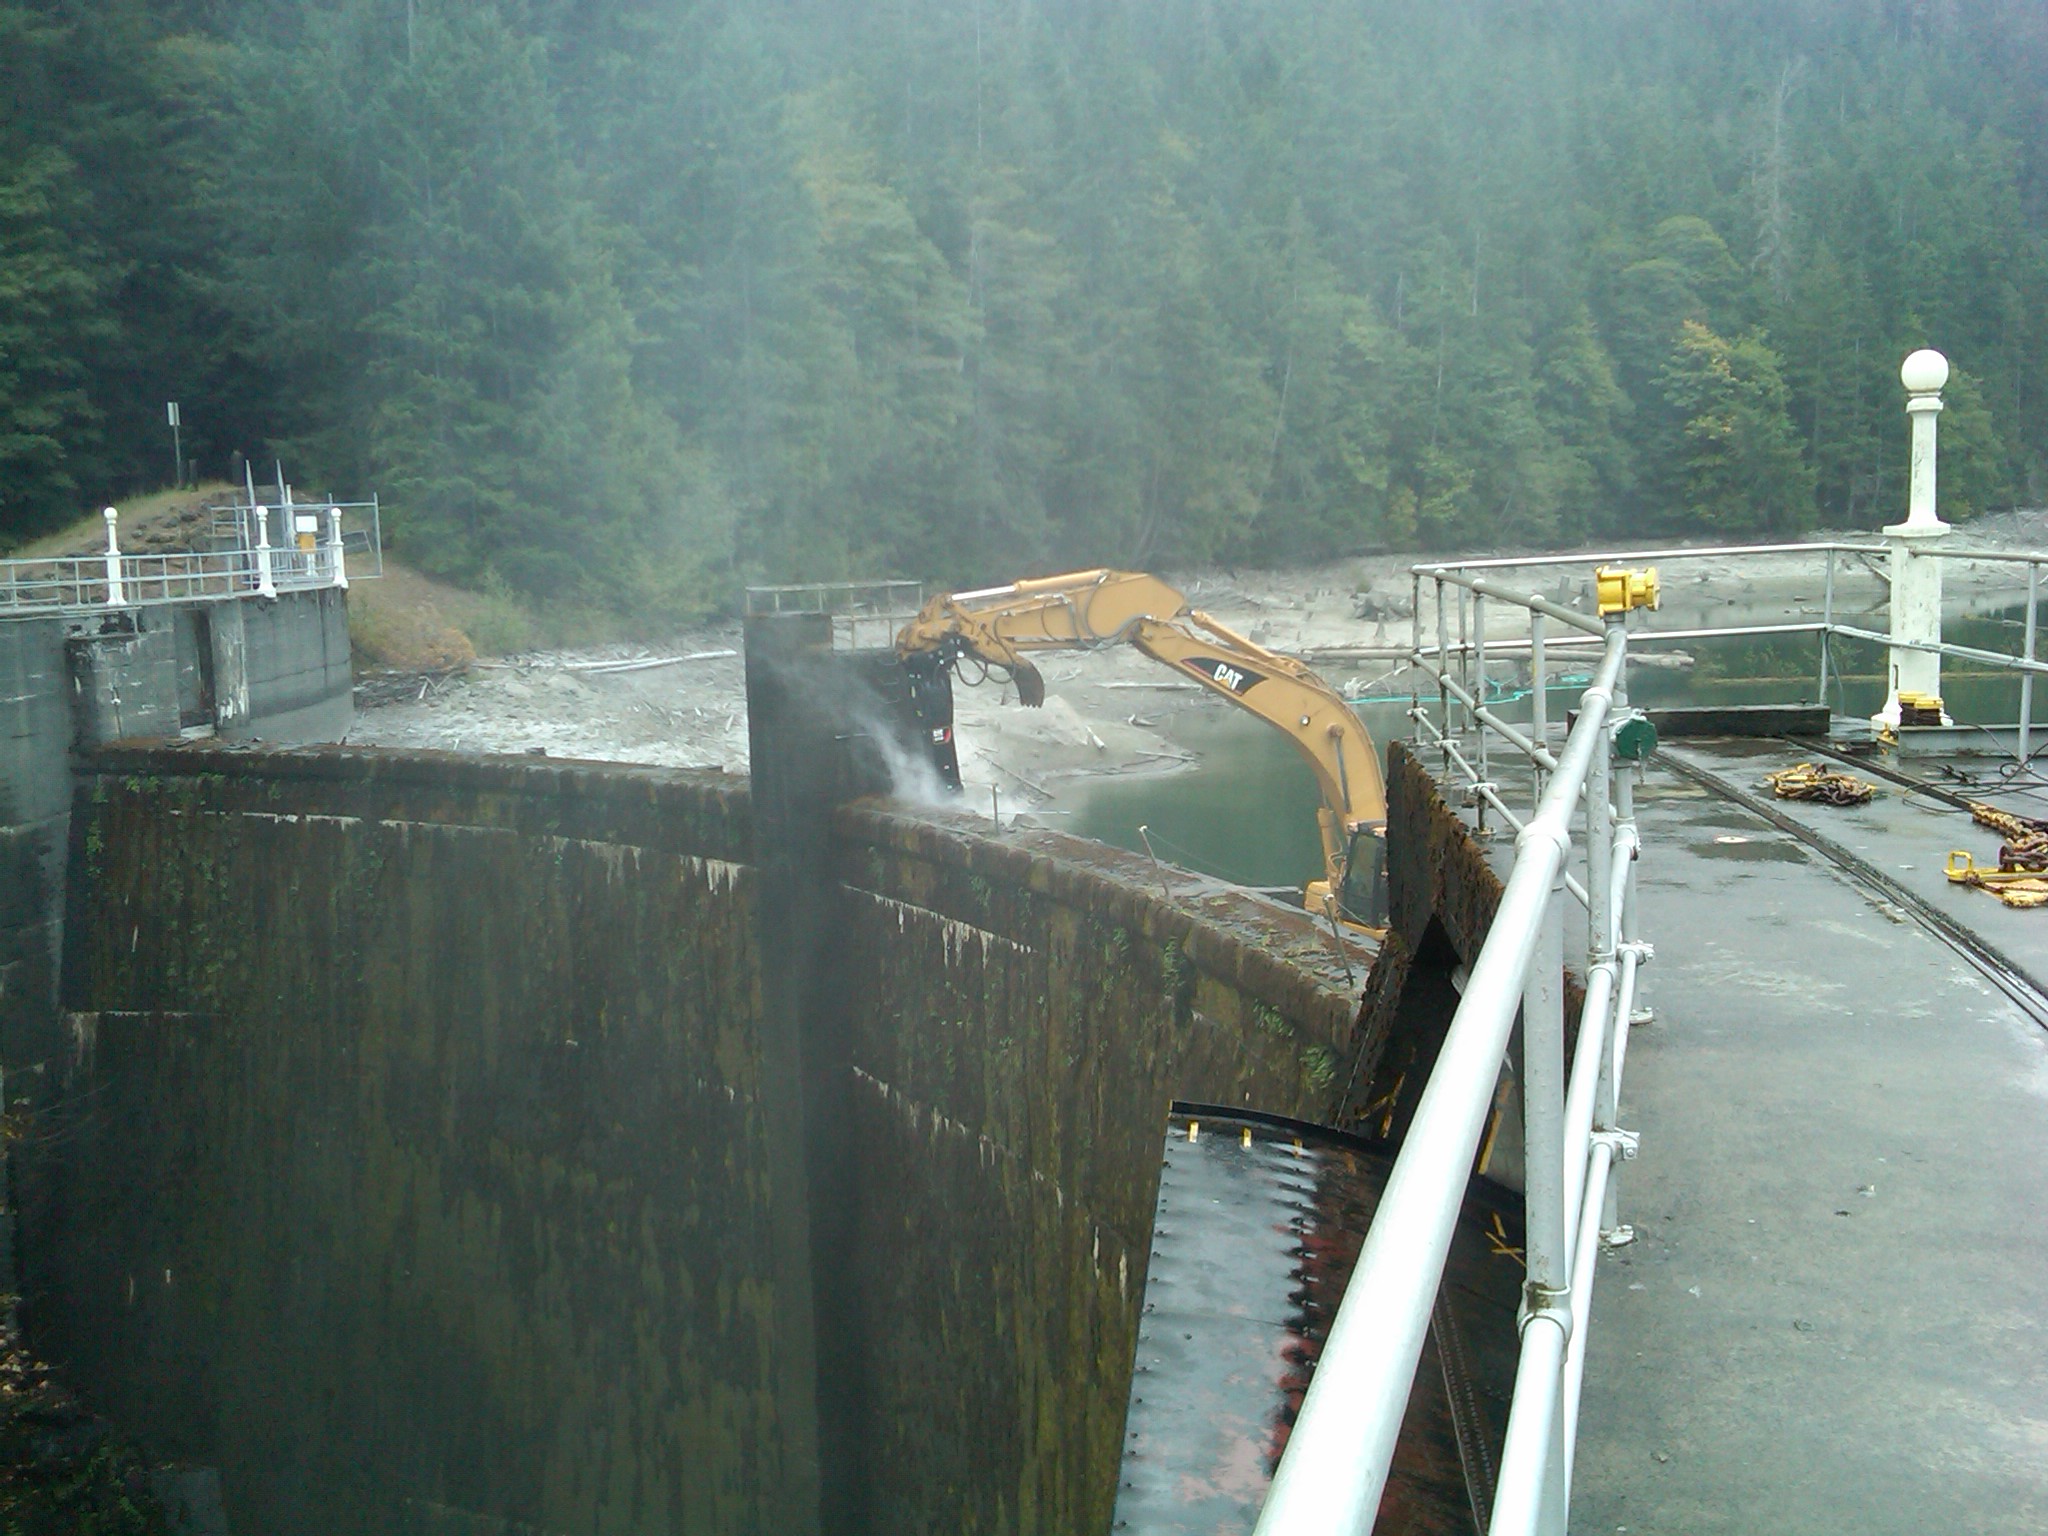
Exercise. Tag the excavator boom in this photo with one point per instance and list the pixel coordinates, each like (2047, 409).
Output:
(1000, 627)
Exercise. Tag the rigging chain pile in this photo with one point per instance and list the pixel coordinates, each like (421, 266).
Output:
(2021, 879)
(1807, 781)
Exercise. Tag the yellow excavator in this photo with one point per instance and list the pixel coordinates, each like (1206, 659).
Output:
(997, 630)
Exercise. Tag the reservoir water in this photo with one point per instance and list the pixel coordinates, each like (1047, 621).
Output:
(1247, 811)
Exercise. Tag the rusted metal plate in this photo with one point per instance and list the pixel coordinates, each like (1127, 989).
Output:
(1258, 1225)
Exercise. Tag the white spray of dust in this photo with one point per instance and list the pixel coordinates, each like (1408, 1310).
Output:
(912, 774)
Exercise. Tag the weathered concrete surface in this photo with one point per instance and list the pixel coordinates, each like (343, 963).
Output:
(1022, 1014)
(1832, 1319)
(1436, 872)
(279, 669)
(35, 811)
(295, 678)
(409, 1154)
(410, 1160)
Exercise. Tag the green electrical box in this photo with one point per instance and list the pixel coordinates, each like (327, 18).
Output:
(1635, 739)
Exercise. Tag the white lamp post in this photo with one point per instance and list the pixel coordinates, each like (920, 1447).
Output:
(115, 596)
(337, 553)
(1916, 580)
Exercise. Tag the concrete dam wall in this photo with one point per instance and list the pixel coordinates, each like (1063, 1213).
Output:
(431, 1147)
(278, 668)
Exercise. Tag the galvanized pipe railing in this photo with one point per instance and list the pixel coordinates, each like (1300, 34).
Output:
(1335, 1467)
(1473, 647)
(120, 579)
(1642, 556)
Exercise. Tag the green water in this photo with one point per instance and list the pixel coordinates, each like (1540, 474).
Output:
(1247, 811)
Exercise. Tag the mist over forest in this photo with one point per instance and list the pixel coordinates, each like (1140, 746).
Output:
(637, 301)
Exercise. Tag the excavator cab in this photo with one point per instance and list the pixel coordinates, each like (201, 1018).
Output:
(1363, 899)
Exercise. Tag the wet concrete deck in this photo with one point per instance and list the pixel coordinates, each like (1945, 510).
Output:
(1835, 1317)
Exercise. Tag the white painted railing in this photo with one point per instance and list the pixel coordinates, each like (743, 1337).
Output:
(1336, 1463)
(315, 556)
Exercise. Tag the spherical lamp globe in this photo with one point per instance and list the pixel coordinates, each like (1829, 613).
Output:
(1924, 373)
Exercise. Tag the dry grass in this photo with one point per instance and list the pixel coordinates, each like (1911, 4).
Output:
(411, 623)
(146, 521)
(403, 621)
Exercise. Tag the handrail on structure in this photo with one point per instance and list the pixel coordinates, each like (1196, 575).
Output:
(1914, 631)
(1335, 1467)
(250, 566)
(1669, 555)
(1915, 549)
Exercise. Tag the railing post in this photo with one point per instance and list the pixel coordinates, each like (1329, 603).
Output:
(1539, 700)
(1600, 918)
(1465, 647)
(1543, 1087)
(1478, 686)
(1827, 619)
(1414, 640)
(1627, 931)
(115, 596)
(1443, 671)
(1916, 581)
(2027, 678)
(1532, 1496)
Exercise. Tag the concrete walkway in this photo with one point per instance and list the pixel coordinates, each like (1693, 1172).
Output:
(1835, 1317)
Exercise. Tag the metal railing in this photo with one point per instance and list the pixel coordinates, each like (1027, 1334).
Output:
(251, 566)
(1472, 641)
(860, 610)
(1336, 1463)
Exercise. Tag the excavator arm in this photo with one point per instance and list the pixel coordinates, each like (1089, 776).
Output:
(999, 628)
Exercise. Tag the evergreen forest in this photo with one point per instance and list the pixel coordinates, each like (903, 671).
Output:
(638, 301)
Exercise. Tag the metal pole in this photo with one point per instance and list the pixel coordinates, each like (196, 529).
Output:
(1584, 1252)
(1513, 734)
(1539, 701)
(1604, 1108)
(1464, 642)
(2027, 678)
(249, 515)
(1479, 690)
(1827, 619)
(1600, 852)
(1443, 666)
(1414, 640)
(1589, 1061)
(1624, 786)
(1606, 1092)
(1543, 1088)
(1530, 1498)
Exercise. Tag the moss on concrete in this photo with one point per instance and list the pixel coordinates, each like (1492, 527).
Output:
(409, 1146)
(1024, 1010)
(409, 1153)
